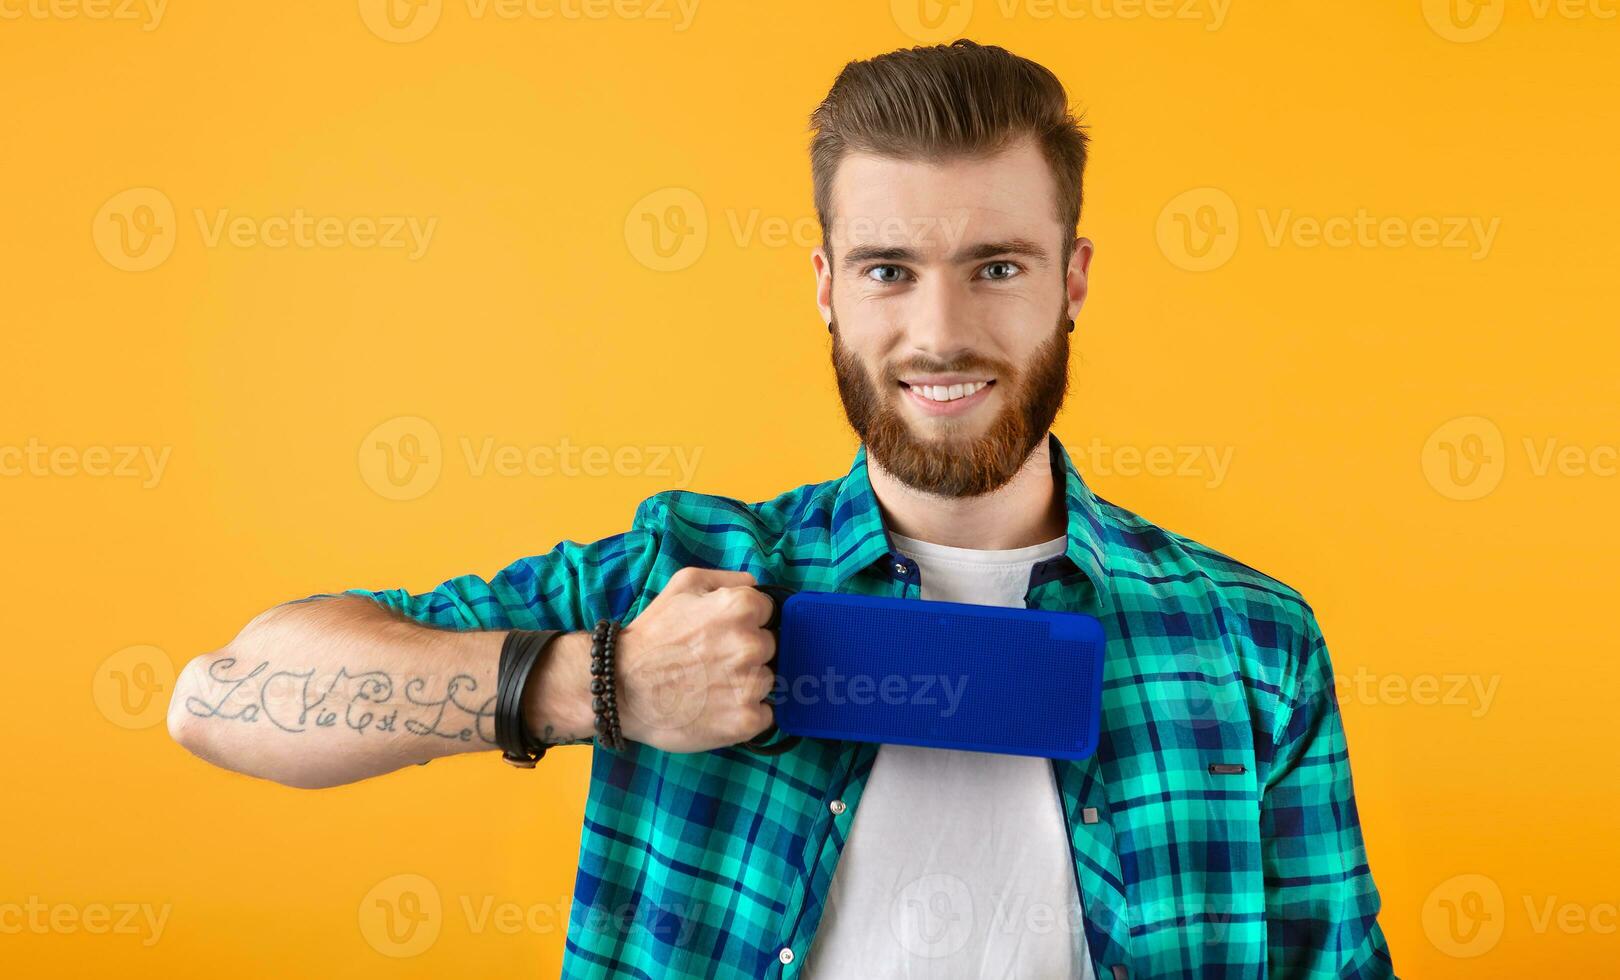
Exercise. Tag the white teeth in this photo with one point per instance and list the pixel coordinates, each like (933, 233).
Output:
(948, 393)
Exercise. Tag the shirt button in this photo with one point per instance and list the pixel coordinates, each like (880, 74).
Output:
(837, 807)
(786, 955)
(901, 568)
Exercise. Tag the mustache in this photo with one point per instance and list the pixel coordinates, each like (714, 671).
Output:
(969, 364)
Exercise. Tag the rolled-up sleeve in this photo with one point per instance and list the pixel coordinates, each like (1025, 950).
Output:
(568, 588)
(1321, 904)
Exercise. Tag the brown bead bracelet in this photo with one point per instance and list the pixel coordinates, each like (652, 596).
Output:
(604, 697)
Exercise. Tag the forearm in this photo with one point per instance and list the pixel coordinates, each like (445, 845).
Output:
(335, 690)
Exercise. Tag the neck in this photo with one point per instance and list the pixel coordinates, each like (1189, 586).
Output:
(1028, 510)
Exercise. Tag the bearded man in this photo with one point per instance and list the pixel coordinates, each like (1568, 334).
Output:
(1213, 832)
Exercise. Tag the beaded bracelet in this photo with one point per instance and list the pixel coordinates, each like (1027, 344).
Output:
(604, 697)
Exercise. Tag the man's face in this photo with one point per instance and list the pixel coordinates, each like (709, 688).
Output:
(950, 309)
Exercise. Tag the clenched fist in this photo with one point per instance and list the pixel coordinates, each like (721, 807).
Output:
(693, 667)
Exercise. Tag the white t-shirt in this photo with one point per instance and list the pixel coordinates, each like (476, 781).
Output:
(958, 863)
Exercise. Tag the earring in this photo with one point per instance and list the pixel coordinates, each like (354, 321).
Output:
(1071, 325)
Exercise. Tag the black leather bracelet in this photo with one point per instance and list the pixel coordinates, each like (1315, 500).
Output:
(519, 653)
(604, 693)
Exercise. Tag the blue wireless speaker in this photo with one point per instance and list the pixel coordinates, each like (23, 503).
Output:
(944, 675)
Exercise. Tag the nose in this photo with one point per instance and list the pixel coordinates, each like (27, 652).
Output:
(940, 324)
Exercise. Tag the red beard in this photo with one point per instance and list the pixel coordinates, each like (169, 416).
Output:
(955, 464)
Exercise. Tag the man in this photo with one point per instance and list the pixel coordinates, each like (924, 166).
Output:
(1214, 832)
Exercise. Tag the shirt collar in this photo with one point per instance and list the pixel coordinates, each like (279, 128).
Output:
(860, 540)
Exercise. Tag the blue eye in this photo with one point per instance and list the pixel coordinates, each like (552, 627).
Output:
(1012, 268)
(893, 268)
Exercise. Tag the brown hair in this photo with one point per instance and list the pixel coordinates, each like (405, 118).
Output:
(936, 103)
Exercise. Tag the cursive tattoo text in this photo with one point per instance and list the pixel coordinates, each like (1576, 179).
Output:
(370, 701)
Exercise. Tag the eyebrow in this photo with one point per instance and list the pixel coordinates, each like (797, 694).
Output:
(900, 253)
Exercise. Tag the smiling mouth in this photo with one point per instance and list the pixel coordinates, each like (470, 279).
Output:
(945, 394)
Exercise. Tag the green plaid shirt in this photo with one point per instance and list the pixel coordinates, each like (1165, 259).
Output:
(1213, 834)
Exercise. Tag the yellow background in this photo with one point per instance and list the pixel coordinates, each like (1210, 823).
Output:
(540, 312)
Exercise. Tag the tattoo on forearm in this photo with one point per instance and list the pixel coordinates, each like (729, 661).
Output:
(550, 737)
(372, 701)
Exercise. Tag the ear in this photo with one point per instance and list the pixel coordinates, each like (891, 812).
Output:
(1076, 280)
(824, 281)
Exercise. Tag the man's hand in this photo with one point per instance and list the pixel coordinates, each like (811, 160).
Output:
(693, 667)
(320, 693)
